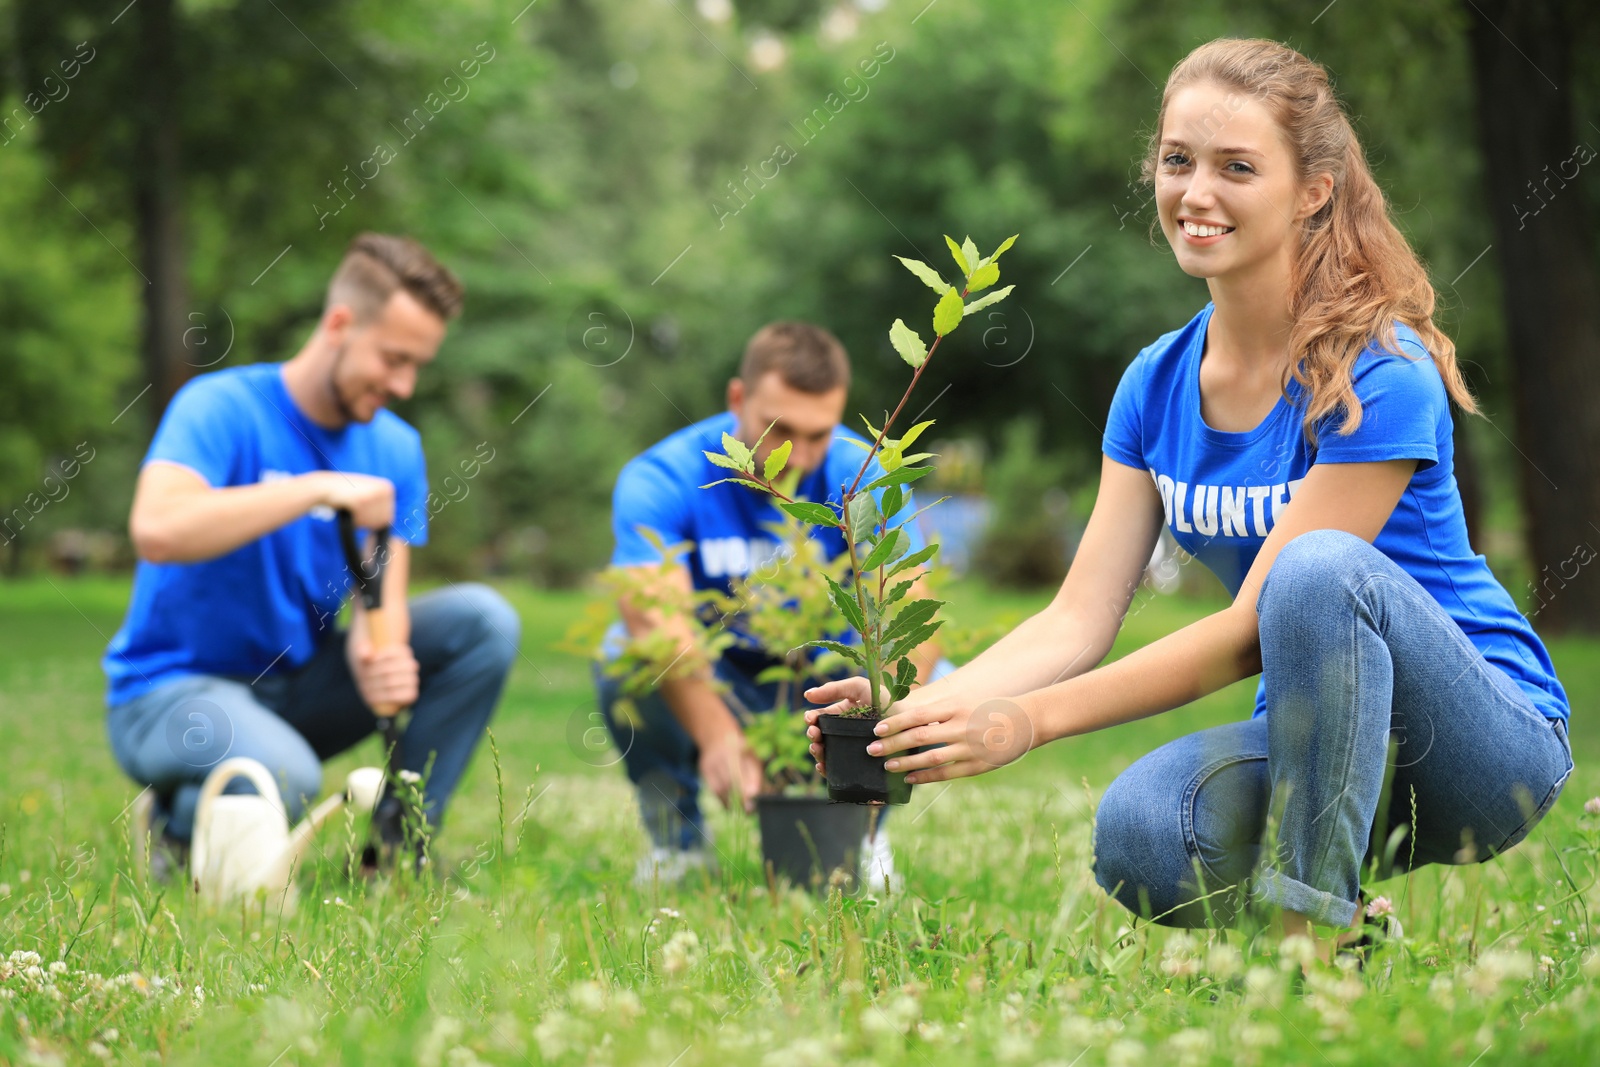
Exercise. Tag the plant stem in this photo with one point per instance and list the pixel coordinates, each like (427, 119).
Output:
(869, 638)
(884, 432)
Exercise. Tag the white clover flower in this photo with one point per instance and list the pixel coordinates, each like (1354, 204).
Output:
(1192, 1047)
(1378, 907)
(681, 952)
(1259, 1035)
(1013, 1048)
(1179, 959)
(587, 997)
(1495, 967)
(896, 1015)
(1126, 1052)
(1297, 950)
(1078, 1030)
(1224, 961)
(58, 967)
(626, 1005)
(1262, 987)
(446, 1030)
(1590, 806)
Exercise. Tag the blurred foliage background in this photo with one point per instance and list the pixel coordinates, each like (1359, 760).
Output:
(630, 188)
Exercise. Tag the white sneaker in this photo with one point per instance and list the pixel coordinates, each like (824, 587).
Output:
(669, 866)
(877, 872)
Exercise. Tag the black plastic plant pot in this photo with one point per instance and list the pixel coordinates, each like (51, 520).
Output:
(806, 839)
(854, 777)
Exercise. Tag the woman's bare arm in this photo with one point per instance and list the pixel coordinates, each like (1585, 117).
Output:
(1223, 647)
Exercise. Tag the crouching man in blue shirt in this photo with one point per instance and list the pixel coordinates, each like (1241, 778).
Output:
(230, 646)
(794, 377)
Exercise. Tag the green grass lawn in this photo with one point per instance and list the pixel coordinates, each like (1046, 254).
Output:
(535, 948)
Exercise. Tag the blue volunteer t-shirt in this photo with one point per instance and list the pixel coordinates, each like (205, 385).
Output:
(660, 489)
(1222, 492)
(269, 604)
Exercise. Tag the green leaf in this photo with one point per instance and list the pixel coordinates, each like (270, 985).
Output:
(914, 614)
(780, 672)
(864, 516)
(983, 277)
(864, 446)
(929, 276)
(907, 343)
(995, 255)
(889, 547)
(947, 316)
(898, 591)
(914, 433)
(984, 301)
(960, 257)
(908, 642)
(723, 461)
(920, 510)
(916, 559)
(778, 459)
(872, 431)
(900, 477)
(757, 446)
(850, 652)
(738, 450)
(969, 252)
(806, 511)
(893, 500)
(890, 458)
(905, 677)
(846, 604)
(736, 481)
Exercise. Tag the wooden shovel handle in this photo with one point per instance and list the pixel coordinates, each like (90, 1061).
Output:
(378, 634)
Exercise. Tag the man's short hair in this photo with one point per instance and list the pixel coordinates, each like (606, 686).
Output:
(376, 264)
(806, 357)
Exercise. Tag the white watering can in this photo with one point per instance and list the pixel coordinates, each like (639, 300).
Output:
(242, 842)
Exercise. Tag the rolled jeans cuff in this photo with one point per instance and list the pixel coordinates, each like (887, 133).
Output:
(1324, 909)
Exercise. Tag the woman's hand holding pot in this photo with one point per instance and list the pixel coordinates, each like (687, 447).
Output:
(969, 739)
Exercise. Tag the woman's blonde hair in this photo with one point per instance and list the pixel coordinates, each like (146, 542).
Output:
(1354, 273)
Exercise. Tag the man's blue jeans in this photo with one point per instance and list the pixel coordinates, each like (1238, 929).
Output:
(661, 758)
(1290, 809)
(464, 638)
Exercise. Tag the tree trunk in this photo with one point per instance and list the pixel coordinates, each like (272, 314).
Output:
(158, 205)
(1532, 150)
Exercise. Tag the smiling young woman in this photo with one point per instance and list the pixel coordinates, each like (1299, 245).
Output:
(1296, 437)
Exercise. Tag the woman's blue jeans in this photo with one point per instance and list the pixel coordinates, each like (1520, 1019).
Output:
(1291, 809)
(464, 638)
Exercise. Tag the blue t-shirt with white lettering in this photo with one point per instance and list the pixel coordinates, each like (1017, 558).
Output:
(267, 605)
(1222, 492)
(659, 489)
